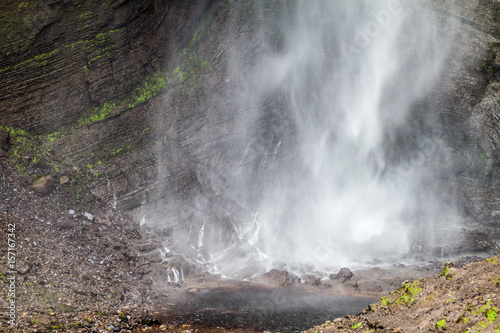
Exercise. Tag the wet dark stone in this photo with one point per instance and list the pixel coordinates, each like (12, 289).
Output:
(344, 274)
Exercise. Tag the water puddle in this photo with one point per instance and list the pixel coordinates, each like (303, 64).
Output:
(248, 307)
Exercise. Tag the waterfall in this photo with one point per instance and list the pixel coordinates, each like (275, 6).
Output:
(338, 152)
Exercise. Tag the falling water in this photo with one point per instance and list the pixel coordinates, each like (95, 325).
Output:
(348, 152)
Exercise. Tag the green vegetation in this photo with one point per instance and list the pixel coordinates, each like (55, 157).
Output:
(489, 68)
(358, 325)
(25, 148)
(201, 30)
(116, 151)
(492, 314)
(41, 59)
(191, 69)
(446, 271)
(149, 89)
(482, 325)
(488, 311)
(97, 48)
(35, 322)
(384, 301)
(492, 261)
(441, 324)
(78, 325)
(409, 290)
(451, 300)
(122, 316)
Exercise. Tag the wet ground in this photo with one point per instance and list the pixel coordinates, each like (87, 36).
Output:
(254, 307)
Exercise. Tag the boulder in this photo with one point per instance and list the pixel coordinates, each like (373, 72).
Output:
(44, 184)
(344, 274)
(279, 277)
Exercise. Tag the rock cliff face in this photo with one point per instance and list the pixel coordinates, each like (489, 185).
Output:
(468, 107)
(124, 98)
(79, 86)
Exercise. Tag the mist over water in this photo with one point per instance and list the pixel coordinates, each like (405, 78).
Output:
(343, 166)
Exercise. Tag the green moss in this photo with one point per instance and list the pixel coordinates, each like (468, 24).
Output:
(25, 149)
(39, 58)
(201, 30)
(117, 151)
(50, 138)
(98, 114)
(191, 69)
(35, 322)
(24, 6)
(150, 88)
(72, 46)
(103, 35)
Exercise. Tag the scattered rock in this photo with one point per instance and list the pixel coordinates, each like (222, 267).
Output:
(44, 184)
(63, 308)
(312, 280)
(88, 216)
(279, 277)
(465, 301)
(344, 274)
(23, 267)
(64, 180)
